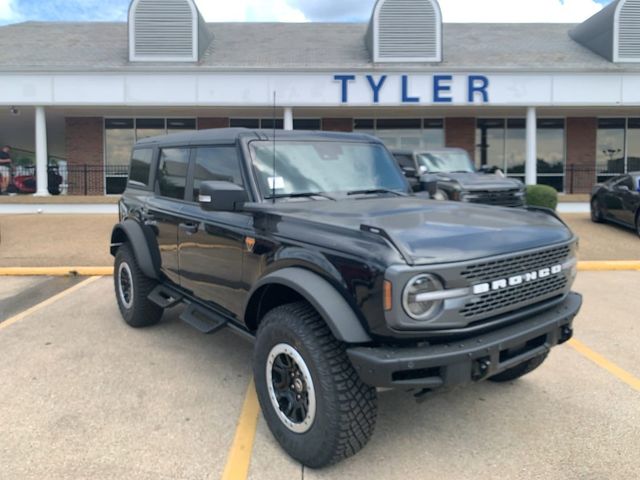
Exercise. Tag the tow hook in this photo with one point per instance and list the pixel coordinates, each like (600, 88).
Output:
(566, 333)
(480, 369)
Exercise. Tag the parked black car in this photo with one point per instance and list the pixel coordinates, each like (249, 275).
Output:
(313, 246)
(454, 177)
(618, 200)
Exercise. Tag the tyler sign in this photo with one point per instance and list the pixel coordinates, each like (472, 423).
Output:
(413, 89)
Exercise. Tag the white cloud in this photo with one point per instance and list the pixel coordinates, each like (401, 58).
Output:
(516, 11)
(7, 12)
(249, 10)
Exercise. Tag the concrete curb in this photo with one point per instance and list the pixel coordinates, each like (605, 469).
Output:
(56, 271)
(594, 266)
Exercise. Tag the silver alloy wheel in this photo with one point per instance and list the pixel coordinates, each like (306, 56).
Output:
(125, 285)
(291, 388)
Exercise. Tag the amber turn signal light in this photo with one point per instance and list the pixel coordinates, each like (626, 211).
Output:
(388, 302)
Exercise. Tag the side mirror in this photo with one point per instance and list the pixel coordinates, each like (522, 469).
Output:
(409, 172)
(429, 183)
(222, 196)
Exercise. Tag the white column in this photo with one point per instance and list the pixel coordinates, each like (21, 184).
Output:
(532, 147)
(41, 153)
(288, 118)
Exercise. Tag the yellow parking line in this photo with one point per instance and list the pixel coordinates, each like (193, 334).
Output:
(56, 271)
(599, 360)
(47, 302)
(608, 266)
(237, 467)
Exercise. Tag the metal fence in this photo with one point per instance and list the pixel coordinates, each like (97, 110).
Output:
(581, 178)
(67, 179)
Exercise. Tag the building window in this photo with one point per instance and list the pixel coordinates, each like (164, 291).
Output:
(121, 134)
(404, 133)
(267, 123)
(502, 143)
(618, 147)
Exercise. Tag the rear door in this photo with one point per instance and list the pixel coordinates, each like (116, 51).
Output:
(212, 244)
(163, 211)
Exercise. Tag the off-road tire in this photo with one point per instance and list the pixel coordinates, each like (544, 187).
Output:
(519, 370)
(596, 212)
(346, 408)
(141, 312)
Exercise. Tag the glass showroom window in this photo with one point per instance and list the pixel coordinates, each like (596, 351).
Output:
(618, 147)
(267, 123)
(120, 136)
(406, 134)
(502, 143)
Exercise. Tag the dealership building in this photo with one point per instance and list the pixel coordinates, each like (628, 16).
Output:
(555, 104)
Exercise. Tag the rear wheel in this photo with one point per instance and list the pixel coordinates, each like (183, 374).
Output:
(311, 397)
(132, 288)
(519, 370)
(596, 211)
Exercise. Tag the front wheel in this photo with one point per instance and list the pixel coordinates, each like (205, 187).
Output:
(311, 397)
(132, 288)
(519, 370)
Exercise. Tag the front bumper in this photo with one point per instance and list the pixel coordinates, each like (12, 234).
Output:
(472, 359)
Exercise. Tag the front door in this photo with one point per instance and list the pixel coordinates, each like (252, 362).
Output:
(212, 244)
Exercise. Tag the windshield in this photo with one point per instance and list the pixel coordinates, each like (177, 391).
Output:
(306, 167)
(443, 162)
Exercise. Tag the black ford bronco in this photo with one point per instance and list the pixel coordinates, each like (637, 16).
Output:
(454, 177)
(314, 246)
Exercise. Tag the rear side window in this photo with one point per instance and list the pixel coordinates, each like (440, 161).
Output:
(172, 172)
(141, 166)
(216, 163)
(405, 160)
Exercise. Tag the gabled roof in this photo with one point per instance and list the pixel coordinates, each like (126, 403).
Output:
(85, 47)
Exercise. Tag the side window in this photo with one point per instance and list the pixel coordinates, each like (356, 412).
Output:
(625, 181)
(405, 161)
(140, 166)
(216, 163)
(172, 172)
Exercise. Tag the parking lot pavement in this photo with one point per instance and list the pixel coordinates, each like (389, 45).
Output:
(84, 396)
(603, 241)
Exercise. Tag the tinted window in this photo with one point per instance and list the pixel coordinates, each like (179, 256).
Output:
(405, 160)
(216, 163)
(172, 172)
(140, 166)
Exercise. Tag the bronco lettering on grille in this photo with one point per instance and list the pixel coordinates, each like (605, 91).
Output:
(516, 280)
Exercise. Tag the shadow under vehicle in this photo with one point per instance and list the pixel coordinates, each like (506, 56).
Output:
(618, 201)
(313, 246)
(449, 174)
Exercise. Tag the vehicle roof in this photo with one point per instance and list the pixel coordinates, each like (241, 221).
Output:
(231, 135)
(426, 150)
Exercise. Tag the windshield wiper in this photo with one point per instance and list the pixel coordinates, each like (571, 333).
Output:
(376, 190)
(300, 195)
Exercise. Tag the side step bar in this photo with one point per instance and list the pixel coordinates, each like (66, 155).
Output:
(205, 321)
(165, 297)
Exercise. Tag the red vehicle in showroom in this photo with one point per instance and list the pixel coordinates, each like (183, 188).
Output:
(24, 180)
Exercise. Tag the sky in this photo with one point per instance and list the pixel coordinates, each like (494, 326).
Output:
(563, 11)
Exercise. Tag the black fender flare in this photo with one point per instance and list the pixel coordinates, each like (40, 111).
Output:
(328, 302)
(132, 232)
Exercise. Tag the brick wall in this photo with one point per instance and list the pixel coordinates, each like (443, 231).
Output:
(205, 123)
(337, 124)
(581, 152)
(460, 132)
(85, 146)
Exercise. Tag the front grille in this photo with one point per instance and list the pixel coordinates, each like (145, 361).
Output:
(496, 302)
(505, 198)
(516, 265)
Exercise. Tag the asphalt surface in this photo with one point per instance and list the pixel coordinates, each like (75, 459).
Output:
(85, 396)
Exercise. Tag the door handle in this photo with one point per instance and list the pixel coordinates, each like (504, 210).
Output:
(190, 228)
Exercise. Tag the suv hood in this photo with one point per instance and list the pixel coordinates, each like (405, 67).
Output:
(429, 231)
(480, 181)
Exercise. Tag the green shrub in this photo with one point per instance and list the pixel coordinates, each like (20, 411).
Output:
(542, 196)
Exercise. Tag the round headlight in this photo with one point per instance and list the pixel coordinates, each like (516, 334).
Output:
(415, 298)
